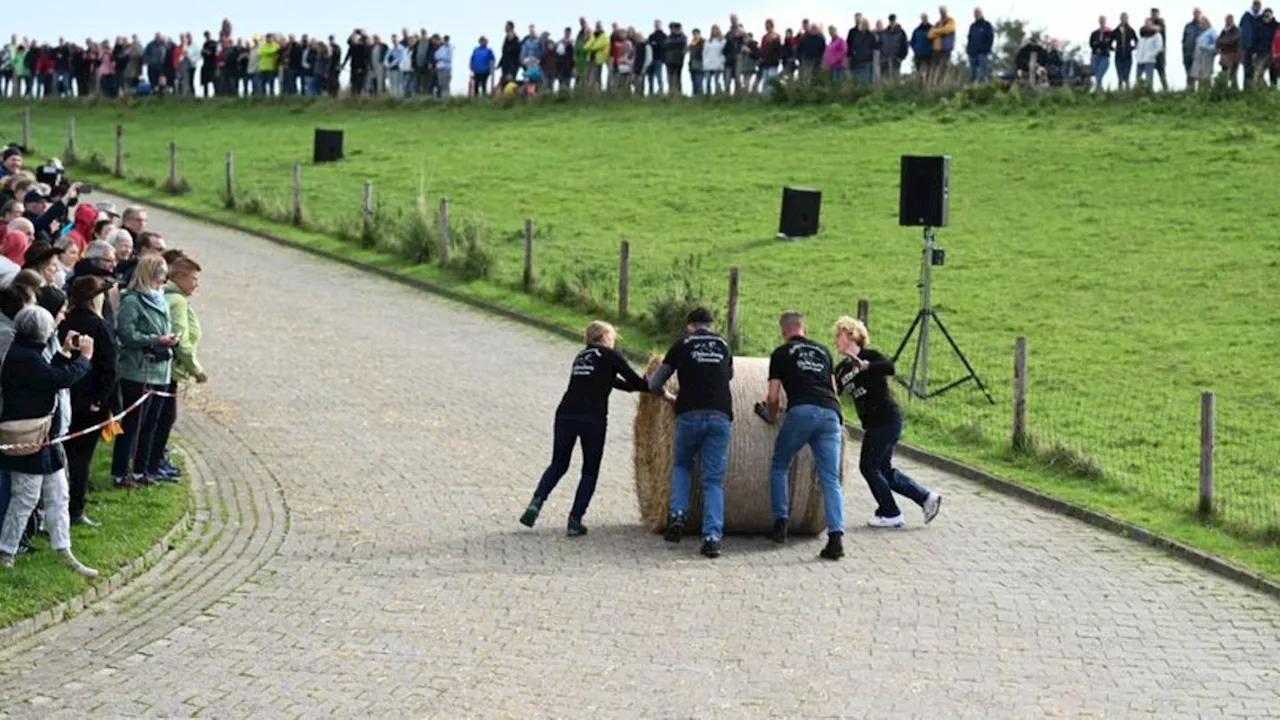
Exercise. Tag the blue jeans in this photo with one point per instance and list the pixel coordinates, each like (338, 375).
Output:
(1123, 66)
(884, 480)
(1147, 72)
(569, 430)
(4, 497)
(309, 85)
(695, 77)
(820, 429)
(704, 434)
(268, 82)
(656, 78)
(837, 75)
(979, 68)
(767, 76)
(1099, 66)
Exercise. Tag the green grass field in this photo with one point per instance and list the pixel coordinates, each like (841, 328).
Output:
(1128, 239)
(132, 522)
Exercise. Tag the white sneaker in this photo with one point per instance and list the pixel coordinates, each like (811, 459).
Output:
(6, 560)
(932, 505)
(886, 522)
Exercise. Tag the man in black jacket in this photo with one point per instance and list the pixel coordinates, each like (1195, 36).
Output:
(655, 77)
(358, 59)
(893, 49)
(1124, 39)
(672, 58)
(1101, 42)
(509, 60)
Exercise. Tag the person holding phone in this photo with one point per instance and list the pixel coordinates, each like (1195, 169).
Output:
(864, 375)
(145, 333)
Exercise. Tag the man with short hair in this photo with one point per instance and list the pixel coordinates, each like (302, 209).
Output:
(135, 221)
(703, 363)
(1158, 23)
(11, 164)
(804, 369)
(1190, 32)
(982, 38)
(1248, 25)
(893, 49)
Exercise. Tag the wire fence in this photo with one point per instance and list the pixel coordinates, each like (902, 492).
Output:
(1085, 432)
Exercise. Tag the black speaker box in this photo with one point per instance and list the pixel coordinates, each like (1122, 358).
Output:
(328, 145)
(800, 208)
(924, 196)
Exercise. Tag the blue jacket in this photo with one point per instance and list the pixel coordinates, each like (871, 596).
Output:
(481, 59)
(921, 45)
(530, 49)
(30, 386)
(1247, 20)
(982, 37)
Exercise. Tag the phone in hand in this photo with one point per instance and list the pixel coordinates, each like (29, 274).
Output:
(762, 410)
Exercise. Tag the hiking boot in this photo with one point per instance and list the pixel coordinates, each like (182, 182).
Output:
(87, 573)
(932, 505)
(675, 528)
(711, 548)
(576, 528)
(780, 530)
(530, 515)
(835, 547)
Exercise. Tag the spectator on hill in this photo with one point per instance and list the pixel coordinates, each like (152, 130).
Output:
(713, 62)
(1248, 21)
(813, 49)
(1206, 52)
(1261, 41)
(943, 37)
(481, 65)
(982, 39)
(582, 415)
(893, 49)
(30, 383)
(1125, 41)
(1158, 22)
(146, 338)
(93, 398)
(1229, 50)
(862, 54)
(1190, 33)
(835, 56)
(654, 77)
(1101, 42)
(770, 62)
(922, 46)
(1150, 46)
(696, 73)
(672, 57)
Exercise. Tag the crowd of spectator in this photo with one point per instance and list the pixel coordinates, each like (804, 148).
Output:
(96, 332)
(727, 58)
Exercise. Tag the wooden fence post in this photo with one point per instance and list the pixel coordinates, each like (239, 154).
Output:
(875, 67)
(230, 199)
(864, 311)
(71, 138)
(171, 181)
(26, 128)
(297, 192)
(119, 169)
(366, 210)
(1208, 422)
(444, 230)
(624, 277)
(1020, 393)
(1033, 69)
(528, 254)
(732, 323)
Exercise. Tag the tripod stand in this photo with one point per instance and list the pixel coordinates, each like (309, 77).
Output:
(918, 384)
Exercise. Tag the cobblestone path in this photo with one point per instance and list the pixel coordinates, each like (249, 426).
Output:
(362, 453)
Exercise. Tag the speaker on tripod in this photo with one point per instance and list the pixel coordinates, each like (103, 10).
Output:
(800, 207)
(924, 195)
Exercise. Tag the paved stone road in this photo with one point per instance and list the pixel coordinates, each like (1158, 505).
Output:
(362, 454)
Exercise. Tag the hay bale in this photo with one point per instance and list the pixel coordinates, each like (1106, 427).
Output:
(747, 508)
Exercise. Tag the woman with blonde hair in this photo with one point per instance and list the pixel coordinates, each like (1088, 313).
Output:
(864, 376)
(582, 416)
(146, 339)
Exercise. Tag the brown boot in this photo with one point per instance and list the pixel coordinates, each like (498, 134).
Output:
(87, 573)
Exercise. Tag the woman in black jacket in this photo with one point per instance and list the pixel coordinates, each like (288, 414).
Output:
(582, 415)
(864, 375)
(94, 398)
(30, 385)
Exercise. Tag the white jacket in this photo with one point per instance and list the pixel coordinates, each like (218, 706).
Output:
(713, 55)
(1148, 48)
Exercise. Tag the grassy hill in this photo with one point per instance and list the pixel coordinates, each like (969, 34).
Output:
(1130, 239)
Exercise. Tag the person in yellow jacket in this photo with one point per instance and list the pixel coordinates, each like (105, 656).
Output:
(943, 35)
(597, 56)
(268, 63)
(184, 280)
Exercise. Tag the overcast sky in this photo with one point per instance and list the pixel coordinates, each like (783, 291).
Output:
(466, 21)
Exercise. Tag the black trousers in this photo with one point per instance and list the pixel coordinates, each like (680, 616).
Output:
(168, 416)
(80, 458)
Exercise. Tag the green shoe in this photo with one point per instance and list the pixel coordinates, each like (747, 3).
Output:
(530, 515)
(576, 528)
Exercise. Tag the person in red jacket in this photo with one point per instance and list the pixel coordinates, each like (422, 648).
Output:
(81, 232)
(44, 70)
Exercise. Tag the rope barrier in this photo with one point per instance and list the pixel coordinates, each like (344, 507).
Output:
(113, 422)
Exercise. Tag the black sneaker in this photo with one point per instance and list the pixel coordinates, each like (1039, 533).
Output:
(530, 514)
(675, 528)
(711, 548)
(780, 530)
(576, 528)
(835, 547)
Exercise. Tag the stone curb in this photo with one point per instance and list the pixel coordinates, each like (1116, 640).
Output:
(1013, 489)
(100, 589)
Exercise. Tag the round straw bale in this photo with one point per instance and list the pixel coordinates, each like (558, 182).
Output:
(747, 507)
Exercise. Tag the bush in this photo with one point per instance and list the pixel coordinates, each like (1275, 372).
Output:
(588, 289)
(684, 291)
(418, 242)
(475, 259)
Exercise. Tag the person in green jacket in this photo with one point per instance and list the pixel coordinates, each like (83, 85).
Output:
(146, 341)
(184, 280)
(21, 75)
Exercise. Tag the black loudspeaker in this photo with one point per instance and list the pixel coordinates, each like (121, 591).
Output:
(328, 145)
(800, 207)
(924, 197)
